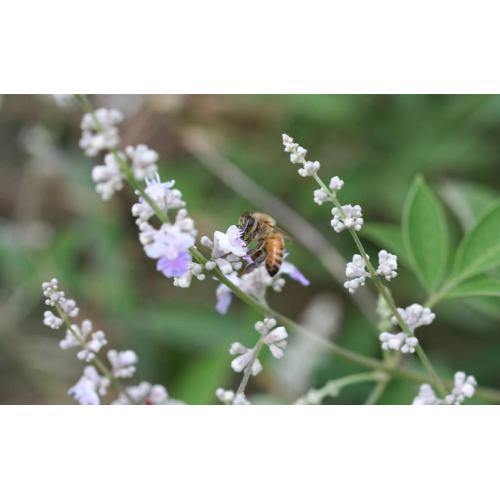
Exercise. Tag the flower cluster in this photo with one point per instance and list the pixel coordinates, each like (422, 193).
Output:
(298, 155)
(83, 336)
(356, 271)
(99, 131)
(247, 359)
(170, 243)
(244, 357)
(122, 363)
(143, 161)
(96, 377)
(426, 396)
(108, 178)
(89, 387)
(414, 316)
(398, 342)
(272, 336)
(227, 250)
(256, 283)
(464, 387)
(348, 216)
(387, 265)
(57, 298)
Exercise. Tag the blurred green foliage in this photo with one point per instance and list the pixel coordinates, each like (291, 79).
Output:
(53, 224)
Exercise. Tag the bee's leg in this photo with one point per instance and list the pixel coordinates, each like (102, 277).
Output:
(258, 256)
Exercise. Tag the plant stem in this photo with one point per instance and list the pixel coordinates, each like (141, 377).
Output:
(378, 390)
(333, 387)
(391, 361)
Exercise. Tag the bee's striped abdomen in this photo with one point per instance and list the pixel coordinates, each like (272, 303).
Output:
(275, 248)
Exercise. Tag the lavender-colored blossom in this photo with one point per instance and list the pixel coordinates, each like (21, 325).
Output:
(224, 299)
(171, 246)
(176, 267)
(163, 194)
(168, 242)
(274, 337)
(84, 392)
(89, 387)
(294, 273)
(256, 282)
(229, 242)
(99, 131)
(244, 358)
(123, 363)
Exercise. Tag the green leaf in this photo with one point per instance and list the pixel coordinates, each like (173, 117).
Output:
(480, 249)
(425, 234)
(480, 286)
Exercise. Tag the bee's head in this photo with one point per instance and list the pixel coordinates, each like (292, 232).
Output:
(246, 221)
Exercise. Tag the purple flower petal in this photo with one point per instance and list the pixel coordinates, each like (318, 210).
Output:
(294, 273)
(174, 267)
(224, 299)
(84, 392)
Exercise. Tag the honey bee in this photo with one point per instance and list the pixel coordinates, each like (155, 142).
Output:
(269, 239)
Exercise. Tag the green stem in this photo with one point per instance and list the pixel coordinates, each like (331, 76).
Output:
(391, 361)
(333, 387)
(377, 391)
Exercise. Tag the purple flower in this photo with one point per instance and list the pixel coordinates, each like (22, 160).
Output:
(229, 242)
(168, 242)
(224, 299)
(171, 246)
(158, 191)
(84, 392)
(294, 273)
(174, 267)
(87, 390)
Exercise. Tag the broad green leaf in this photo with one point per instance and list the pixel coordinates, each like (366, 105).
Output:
(387, 236)
(425, 234)
(478, 286)
(480, 248)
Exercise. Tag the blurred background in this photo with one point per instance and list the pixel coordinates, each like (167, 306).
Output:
(225, 153)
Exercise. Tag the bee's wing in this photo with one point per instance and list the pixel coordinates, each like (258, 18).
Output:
(284, 233)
